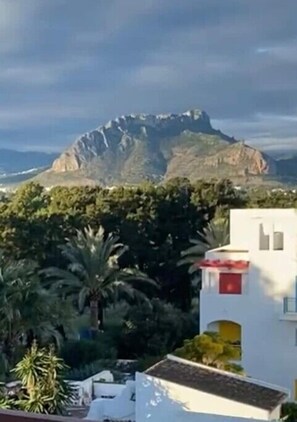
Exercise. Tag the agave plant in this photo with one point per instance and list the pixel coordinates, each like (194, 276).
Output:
(41, 374)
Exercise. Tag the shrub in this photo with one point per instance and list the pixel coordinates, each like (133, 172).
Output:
(43, 389)
(154, 329)
(79, 353)
(211, 349)
(146, 362)
(87, 371)
(289, 412)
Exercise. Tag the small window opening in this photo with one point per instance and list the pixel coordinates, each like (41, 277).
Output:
(264, 238)
(278, 241)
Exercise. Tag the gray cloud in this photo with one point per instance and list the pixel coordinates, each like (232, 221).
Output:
(65, 69)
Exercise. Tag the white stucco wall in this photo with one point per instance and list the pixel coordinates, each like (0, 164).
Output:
(204, 417)
(107, 389)
(119, 408)
(268, 343)
(85, 387)
(158, 400)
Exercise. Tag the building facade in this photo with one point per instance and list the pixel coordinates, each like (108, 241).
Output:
(249, 293)
(178, 390)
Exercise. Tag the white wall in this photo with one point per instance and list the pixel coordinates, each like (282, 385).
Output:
(107, 389)
(268, 343)
(86, 386)
(203, 417)
(119, 408)
(158, 400)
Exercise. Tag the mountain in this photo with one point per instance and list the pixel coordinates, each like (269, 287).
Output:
(133, 148)
(17, 166)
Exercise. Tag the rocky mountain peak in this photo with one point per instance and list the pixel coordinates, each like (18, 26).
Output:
(158, 120)
(135, 147)
(134, 126)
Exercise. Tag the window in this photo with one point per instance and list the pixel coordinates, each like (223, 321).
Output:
(264, 238)
(278, 238)
(230, 283)
(210, 281)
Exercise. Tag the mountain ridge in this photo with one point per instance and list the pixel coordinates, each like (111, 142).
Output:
(137, 147)
(94, 143)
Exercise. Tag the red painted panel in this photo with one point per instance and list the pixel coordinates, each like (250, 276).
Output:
(230, 283)
(217, 263)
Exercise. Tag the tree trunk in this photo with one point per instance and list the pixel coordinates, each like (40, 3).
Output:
(30, 338)
(94, 316)
(100, 316)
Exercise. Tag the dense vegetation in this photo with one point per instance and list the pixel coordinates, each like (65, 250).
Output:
(211, 349)
(74, 256)
(42, 387)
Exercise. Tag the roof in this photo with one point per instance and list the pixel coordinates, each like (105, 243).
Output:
(220, 383)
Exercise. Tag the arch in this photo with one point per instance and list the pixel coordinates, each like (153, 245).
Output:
(228, 330)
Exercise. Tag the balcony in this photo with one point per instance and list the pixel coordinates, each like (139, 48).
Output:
(228, 252)
(289, 309)
(226, 257)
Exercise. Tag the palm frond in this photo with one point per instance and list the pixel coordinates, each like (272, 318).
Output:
(215, 235)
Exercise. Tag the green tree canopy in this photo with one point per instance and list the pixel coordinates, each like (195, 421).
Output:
(210, 349)
(154, 329)
(27, 310)
(93, 274)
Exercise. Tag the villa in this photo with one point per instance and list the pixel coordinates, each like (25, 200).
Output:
(176, 389)
(249, 293)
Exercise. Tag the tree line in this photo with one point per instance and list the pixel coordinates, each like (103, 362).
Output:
(68, 254)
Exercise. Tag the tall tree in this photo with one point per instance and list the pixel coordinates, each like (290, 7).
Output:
(27, 310)
(93, 274)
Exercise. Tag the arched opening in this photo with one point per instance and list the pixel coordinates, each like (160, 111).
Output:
(228, 330)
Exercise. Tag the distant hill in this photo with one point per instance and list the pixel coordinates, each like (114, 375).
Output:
(139, 147)
(18, 166)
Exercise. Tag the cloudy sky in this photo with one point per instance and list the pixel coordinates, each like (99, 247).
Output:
(67, 66)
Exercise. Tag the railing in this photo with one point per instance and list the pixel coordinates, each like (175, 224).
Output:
(290, 305)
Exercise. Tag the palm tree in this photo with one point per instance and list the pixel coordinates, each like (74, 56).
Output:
(215, 235)
(27, 310)
(93, 274)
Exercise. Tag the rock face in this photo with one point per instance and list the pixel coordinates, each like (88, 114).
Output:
(132, 148)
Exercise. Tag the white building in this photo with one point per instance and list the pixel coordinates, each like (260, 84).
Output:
(120, 408)
(178, 390)
(86, 389)
(249, 293)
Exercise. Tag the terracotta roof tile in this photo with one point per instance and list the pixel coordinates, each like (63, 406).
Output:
(202, 378)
